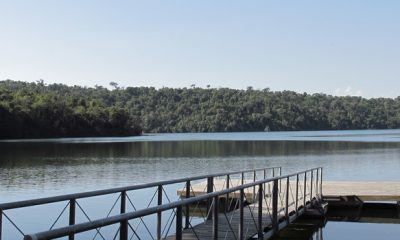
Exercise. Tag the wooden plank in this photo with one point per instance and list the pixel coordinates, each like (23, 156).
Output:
(228, 225)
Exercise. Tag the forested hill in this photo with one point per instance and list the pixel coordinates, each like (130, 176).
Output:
(34, 110)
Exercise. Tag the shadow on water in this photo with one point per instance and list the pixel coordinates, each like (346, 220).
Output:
(371, 221)
(15, 154)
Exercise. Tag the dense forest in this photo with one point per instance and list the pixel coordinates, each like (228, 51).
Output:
(36, 110)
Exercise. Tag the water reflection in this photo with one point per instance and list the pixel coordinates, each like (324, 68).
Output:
(371, 221)
(35, 169)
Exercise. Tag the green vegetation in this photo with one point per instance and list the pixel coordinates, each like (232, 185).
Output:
(33, 110)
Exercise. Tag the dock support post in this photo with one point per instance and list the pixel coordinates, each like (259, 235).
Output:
(123, 231)
(159, 214)
(275, 226)
(260, 207)
(187, 219)
(72, 206)
(210, 188)
(241, 219)
(178, 223)
(215, 218)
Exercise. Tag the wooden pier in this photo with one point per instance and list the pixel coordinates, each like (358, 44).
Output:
(257, 203)
(253, 204)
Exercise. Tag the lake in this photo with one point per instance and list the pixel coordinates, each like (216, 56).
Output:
(38, 168)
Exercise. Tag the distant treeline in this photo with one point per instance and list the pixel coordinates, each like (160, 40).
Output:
(34, 110)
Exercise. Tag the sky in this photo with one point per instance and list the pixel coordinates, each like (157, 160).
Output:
(341, 47)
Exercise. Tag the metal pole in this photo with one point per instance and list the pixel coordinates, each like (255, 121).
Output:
(305, 190)
(178, 223)
(187, 219)
(275, 190)
(159, 214)
(123, 231)
(312, 180)
(227, 195)
(297, 195)
(287, 201)
(72, 206)
(210, 188)
(242, 178)
(254, 188)
(215, 218)
(241, 206)
(260, 205)
(280, 180)
(316, 186)
(265, 176)
(322, 195)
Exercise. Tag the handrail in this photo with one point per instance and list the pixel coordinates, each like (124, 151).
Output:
(66, 197)
(82, 227)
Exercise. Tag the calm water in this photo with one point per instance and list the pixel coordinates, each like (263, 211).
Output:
(41, 168)
(38, 168)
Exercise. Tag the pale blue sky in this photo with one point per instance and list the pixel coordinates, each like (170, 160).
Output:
(336, 47)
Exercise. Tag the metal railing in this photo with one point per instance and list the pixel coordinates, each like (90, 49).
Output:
(124, 199)
(290, 196)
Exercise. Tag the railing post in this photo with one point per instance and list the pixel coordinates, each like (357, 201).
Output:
(241, 221)
(320, 186)
(287, 201)
(273, 172)
(72, 206)
(242, 178)
(305, 190)
(254, 188)
(280, 179)
(178, 223)
(316, 185)
(159, 214)
(275, 226)
(227, 195)
(260, 205)
(297, 195)
(215, 218)
(265, 176)
(123, 231)
(312, 180)
(187, 217)
(210, 189)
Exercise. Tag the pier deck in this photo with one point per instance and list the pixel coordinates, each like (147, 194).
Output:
(228, 223)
